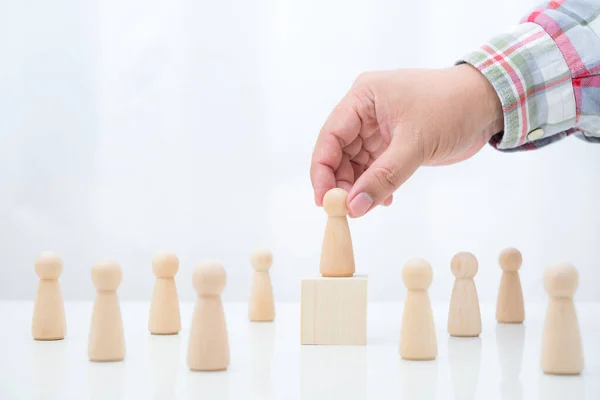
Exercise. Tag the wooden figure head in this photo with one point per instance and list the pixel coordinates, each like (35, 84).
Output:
(561, 280)
(165, 264)
(464, 265)
(510, 259)
(261, 260)
(48, 265)
(417, 274)
(106, 276)
(209, 279)
(334, 202)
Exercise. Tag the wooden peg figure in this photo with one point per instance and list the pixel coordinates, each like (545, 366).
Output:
(208, 348)
(262, 306)
(417, 335)
(107, 340)
(165, 318)
(562, 353)
(49, 311)
(464, 318)
(337, 255)
(509, 306)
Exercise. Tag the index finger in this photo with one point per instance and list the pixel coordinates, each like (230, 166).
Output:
(341, 128)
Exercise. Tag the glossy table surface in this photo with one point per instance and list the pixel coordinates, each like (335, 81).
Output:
(267, 361)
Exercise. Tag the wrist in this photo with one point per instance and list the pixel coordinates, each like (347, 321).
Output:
(486, 100)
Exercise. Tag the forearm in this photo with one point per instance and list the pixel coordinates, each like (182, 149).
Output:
(546, 73)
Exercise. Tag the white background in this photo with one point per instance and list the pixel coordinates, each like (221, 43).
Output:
(130, 127)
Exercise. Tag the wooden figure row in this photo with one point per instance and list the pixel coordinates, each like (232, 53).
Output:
(562, 352)
(106, 338)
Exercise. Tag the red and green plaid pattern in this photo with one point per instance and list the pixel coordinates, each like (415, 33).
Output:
(546, 72)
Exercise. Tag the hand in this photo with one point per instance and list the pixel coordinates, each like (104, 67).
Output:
(392, 122)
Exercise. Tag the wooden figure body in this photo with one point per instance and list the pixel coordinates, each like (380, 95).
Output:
(417, 336)
(337, 255)
(208, 348)
(106, 340)
(562, 352)
(464, 317)
(509, 307)
(262, 306)
(48, 322)
(165, 318)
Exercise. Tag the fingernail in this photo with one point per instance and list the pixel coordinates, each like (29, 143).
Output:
(360, 205)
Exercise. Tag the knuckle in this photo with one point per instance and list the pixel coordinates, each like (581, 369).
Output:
(387, 178)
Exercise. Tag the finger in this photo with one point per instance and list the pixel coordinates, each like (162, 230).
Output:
(354, 148)
(340, 129)
(344, 176)
(397, 163)
(361, 158)
(388, 202)
(358, 169)
(372, 143)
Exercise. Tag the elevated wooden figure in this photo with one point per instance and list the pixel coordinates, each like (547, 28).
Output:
(417, 336)
(165, 318)
(208, 348)
(562, 352)
(107, 339)
(337, 255)
(464, 317)
(48, 321)
(262, 306)
(509, 307)
(333, 311)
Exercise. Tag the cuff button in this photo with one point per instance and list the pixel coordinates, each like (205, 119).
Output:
(535, 134)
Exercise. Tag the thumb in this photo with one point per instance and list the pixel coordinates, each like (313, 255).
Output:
(390, 170)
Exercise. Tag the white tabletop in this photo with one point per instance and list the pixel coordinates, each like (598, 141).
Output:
(267, 361)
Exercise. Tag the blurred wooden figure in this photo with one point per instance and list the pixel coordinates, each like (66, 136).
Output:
(562, 353)
(464, 317)
(509, 307)
(165, 318)
(417, 335)
(337, 255)
(107, 339)
(262, 306)
(48, 321)
(208, 348)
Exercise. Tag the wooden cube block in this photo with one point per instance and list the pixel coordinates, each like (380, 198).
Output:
(334, 311)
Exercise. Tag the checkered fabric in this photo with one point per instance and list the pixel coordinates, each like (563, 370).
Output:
(546, 72)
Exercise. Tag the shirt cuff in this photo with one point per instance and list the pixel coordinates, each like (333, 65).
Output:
(533, 82)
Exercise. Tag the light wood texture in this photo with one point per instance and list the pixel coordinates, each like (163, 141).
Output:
(562, 352)
(509, 306)
(417, 336)
(165, 318)
(464, 317)
(334, 311)
(262, 306)
(48, 322)
(107, 339)
(337, 255)
(208, 348)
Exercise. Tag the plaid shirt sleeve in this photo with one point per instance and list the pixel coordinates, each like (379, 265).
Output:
(546, 72)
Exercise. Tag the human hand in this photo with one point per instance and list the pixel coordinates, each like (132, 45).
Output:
(392, 122)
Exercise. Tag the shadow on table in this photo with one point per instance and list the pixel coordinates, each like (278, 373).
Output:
(208, 385)
(418, 379)
(554, 387)
(49, 363)
(510, 342)
(106, 380)
(164, 353)
(261, 345)
(464, 356)
(333, 372)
